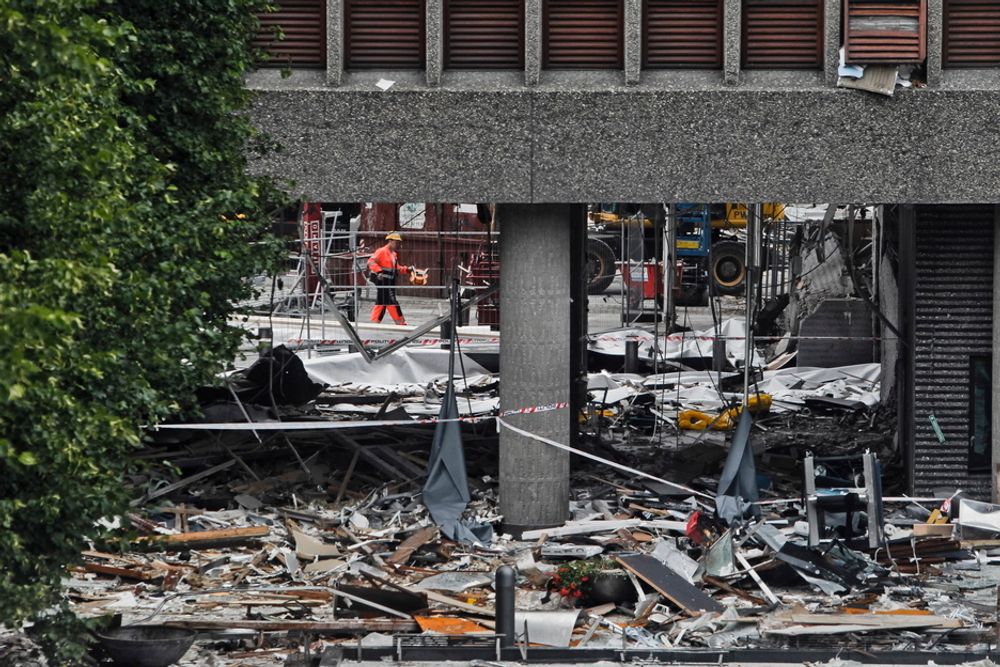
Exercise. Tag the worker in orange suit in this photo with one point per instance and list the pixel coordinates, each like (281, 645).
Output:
(383, 267)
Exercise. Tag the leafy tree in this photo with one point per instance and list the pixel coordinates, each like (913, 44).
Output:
(128, 230)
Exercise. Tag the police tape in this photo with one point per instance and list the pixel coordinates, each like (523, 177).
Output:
(333, 425)
(297, 343)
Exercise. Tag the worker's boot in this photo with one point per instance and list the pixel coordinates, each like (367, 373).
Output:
(378, 312)
(396, 313)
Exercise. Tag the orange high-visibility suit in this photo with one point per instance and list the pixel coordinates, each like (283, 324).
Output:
(384, 266)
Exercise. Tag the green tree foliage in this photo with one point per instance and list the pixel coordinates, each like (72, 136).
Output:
(128, 229)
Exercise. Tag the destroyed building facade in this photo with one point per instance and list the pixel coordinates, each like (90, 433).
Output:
(542, 124)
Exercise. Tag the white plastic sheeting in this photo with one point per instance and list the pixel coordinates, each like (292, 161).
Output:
(406, 366)
(679, 345)
(788, 387)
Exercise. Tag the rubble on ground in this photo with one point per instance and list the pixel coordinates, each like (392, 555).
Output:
(280, 545)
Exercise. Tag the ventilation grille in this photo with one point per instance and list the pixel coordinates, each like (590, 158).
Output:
(972, 33)
(384, 34)
(303, 26)
(484, 34)
(782, 34)
(953, 321)
(682, 34)
(881, 31)
(582, 35)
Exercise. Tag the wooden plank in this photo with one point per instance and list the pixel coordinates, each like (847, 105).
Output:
(122, 572)
(458, 604)
(584, 527)
(669, 584)
(181, 483)
(875, 621)
(201, 538)
(350, 626)
(418, 539)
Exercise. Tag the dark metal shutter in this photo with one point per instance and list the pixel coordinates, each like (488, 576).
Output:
(384, 34)
(953, 320)
(582, 35)
(884, 31)
(682, 34)
(303, 24)
(782, 34)
(484, 34)
(972, 33)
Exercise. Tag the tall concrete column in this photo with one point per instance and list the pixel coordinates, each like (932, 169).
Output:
(534, 361)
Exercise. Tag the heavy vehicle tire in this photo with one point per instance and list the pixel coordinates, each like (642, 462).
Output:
(601, 266)
(727, 267)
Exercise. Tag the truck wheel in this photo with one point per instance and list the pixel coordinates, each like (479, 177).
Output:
(601, 266)
(727, 267)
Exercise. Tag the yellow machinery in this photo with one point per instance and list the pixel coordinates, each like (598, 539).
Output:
(695, 420)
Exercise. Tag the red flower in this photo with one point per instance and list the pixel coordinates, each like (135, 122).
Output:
(577, 594)
(585, 579)
(564, 591)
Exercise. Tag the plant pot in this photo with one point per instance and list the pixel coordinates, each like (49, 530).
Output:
(612, 586)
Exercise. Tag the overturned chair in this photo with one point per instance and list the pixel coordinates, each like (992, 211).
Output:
(849, 500)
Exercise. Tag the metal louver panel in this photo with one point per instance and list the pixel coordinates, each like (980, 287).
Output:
(682, 34)
(782, 34)
(884, 31)
(384, 34)
(971, 33)
(953, 320)
(582, 35)
(303, 26)
(484, 34)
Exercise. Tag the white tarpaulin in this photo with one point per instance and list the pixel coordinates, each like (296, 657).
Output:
(678, 345)
(405, 366)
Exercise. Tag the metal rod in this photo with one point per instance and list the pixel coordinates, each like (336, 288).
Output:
(751, 275)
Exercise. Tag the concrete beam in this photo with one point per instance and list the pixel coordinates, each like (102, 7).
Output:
(703, 141)
(633, 41)
(935, 40)
(832, 11)
(534, 362)
(732, 38)
(334, 41)
(434, 40)
(532, 42)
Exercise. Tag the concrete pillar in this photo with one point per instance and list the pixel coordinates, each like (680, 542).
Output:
(935, 40)
(831, 39)
(334, 41)
(732, 36)
(633, 41)
(434, 40)
(995, 386)
(534, 362)
(532, 42)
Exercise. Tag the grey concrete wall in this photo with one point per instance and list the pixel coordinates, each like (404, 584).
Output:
(687, 137)
(534, 362)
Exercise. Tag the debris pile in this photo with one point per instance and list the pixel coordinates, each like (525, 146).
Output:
(301, 531)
